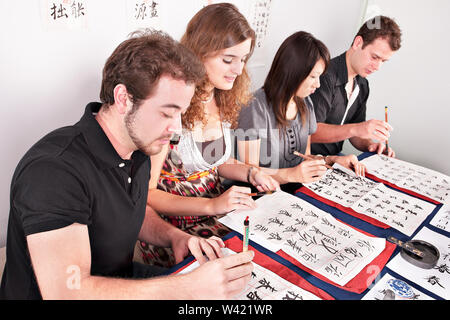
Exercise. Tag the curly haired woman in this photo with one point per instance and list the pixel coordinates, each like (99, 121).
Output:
(185, 185)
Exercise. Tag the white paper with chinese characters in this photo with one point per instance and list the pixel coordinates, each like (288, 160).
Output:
(265, 285)
(426, 182)
(442, 218)
(436, 280)
(309, 235)
(396, 209)
(64, 14)
(144, 14)
(378, 291)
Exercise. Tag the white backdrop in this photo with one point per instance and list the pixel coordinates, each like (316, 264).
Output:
(49, 75)
(415, 83)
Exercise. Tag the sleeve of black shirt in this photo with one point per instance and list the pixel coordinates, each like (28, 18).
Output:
(322, 98)
(48, 195)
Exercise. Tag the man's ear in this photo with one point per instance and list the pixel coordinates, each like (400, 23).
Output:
(358, 43)
(121, 99)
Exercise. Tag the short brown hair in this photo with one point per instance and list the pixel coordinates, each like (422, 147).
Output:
(214, 28)
(381, 27)
(140, 61)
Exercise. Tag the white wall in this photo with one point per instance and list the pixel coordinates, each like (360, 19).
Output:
(328, 20)
(415, 83)
(49, 76)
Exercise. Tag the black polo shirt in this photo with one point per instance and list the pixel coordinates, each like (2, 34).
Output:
(74, 175)
(330, 102)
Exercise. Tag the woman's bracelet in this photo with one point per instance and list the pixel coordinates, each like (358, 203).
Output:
(249, 172)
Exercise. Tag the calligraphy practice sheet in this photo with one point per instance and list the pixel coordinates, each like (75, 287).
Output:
(436, 280)
(65, 15)
(379, 290)
(398, 210)
(144, 14)
(265, 285)
(309, 235)
(426, 182)
(442, 218)
(260, 21)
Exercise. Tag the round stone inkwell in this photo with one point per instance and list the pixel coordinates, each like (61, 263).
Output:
(418, 252)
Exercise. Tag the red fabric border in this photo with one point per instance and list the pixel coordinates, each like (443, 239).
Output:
(267, 262)
(350, 211)
(410, 192)
(366, 276)
(362, 280)
(357, 285)
(235, 244)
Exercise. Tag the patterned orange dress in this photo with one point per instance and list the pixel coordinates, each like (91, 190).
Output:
(190, 170)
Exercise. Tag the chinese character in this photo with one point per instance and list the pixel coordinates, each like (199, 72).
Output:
(434, 280)
(443, 268)
(58, 12)
(140, 11)
(77, 9)
(154, 12)
(253, 295)
(266, 285)
(290, 295)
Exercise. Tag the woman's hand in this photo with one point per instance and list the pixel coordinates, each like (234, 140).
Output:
(234, 198)
(308, 171)
(351, 162)
(262, 181)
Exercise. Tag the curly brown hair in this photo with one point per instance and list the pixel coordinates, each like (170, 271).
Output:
(213, 28)
(141, 60)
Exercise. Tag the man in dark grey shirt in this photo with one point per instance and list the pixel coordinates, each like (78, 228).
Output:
(340, 102)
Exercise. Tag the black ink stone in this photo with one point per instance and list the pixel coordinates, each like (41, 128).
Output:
(430, 258)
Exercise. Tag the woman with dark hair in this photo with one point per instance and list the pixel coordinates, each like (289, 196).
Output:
(185, 186)
(280, 118)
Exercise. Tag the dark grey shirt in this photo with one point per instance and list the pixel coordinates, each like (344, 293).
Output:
(257, 121)
(330, 102)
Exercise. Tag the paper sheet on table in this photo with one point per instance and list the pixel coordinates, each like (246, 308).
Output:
(423, 181)
(309, 235)
(264, 284)
(442, 218)
(234, 221)
(377, 292)
(436, 280)
(396, 209)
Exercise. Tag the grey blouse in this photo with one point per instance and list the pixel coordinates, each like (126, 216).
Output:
(257, 121)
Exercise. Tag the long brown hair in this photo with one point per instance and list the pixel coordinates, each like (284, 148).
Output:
(213, 28)
(292, 64)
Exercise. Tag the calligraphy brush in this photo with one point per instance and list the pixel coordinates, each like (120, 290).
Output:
(386, 120)
(310, 158)
(262, 193)
(406, 245)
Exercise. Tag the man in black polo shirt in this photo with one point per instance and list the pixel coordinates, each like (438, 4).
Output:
(78, 196)
(340, 102)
